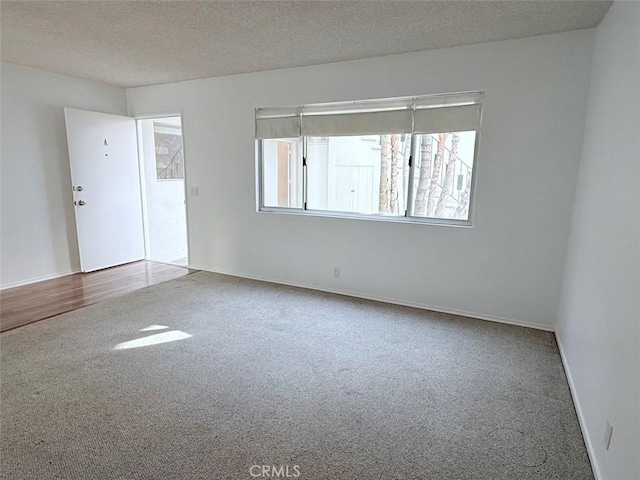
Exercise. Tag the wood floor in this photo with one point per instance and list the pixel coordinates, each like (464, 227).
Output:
(30, 303)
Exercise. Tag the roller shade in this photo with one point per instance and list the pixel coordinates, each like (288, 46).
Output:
(277, 123)
(285, 127)
(448, 100)
(365, 123)
(425, 114)
(447, 119)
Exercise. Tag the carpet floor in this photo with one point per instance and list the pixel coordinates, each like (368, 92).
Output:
(257, 380)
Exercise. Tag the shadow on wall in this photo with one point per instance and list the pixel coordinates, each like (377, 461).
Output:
(52, 146)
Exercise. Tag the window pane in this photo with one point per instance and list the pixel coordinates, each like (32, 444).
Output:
(359, 174)
(443, 172)
(282, 172)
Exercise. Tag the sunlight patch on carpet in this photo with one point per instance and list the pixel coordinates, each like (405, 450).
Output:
(151, 328)
(156, 339)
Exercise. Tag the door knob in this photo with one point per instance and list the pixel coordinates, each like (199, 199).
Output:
(79, 188)
(82, 202)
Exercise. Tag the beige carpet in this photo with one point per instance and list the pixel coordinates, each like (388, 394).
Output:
(306, 383)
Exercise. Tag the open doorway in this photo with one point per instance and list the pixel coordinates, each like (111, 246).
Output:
(162, 171)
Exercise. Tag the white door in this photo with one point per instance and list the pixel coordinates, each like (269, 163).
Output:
(103, 155)
(353, 189)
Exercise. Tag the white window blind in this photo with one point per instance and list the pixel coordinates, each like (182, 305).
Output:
(424, 114)
(364, 123)
(277, 123)
(447, 119)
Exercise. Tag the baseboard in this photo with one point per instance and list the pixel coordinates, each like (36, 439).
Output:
(38, 279)
(169, 263)
(576, 403)
(378, 298)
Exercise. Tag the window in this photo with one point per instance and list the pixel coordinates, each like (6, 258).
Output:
(408, 158)
(282, 172)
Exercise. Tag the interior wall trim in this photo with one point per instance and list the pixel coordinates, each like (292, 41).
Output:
(379, 298)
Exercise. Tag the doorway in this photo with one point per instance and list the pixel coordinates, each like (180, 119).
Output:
(162, 173)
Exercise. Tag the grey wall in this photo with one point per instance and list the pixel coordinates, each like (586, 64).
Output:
(38, 236)
(508, 267)
(599, 317)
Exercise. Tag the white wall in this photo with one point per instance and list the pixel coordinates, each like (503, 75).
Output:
(38, 237)
(599, 317)
(508, 266)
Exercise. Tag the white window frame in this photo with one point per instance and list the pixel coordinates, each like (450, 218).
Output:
(438, 100)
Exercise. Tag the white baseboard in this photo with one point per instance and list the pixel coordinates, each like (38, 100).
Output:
(395, 301)
(168, 263)
(70, 272)
(38, 279)
(576, 403)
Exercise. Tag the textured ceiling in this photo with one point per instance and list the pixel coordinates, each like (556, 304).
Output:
(135, 43)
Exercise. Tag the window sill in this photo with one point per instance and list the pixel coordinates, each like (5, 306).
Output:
(444, 222)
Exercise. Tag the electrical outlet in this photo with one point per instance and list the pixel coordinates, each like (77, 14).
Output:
(194, 191)
(336, 272)
(608, 433)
